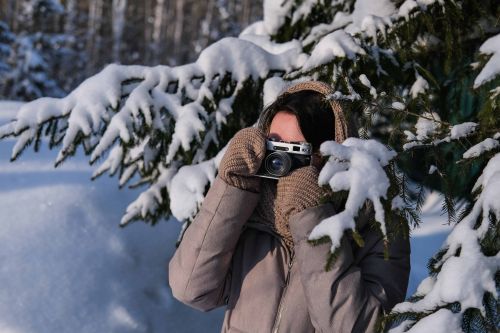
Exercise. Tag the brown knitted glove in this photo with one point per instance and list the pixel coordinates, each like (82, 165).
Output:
(243, 158)
(297, 191)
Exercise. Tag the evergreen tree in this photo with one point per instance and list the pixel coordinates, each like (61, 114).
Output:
(419, 76)
(6, 40)
(42, 58)
(31, 76)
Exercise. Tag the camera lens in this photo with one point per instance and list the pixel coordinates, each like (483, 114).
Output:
(278, 163)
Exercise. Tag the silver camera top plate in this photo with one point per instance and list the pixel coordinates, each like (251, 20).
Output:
(301, 148)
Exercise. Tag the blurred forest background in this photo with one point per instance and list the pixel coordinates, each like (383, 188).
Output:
(48, 47)
(425, 74)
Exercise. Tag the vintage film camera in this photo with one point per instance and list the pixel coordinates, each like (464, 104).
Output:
(283, 157)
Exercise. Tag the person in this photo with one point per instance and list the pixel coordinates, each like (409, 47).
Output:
(247, 247)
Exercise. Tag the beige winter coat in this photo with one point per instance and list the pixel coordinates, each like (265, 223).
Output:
(224, 259)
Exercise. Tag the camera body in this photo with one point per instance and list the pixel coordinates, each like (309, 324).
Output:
(282, 157)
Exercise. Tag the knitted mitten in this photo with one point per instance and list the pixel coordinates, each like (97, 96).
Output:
(297, 191)
(243, 158)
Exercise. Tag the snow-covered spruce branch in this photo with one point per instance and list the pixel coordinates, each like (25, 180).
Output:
(482, 147)
(151, 116)
(465, 272)
(430, 131)
(349, 35)
(356, 166)
(361, 35)
(184, 186)
(157, 96)
(156, 120)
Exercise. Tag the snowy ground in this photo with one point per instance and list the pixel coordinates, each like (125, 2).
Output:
(68, 267)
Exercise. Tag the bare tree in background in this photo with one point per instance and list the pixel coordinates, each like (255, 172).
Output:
(158, 23)
(118, 20)
(95, 10)
(149, 32)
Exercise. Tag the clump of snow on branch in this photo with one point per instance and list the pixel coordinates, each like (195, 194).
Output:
(427, 125)
(304, 10)
(405, 9)
(368, 15)
(409, 7)
(480, 148)
(458, 280)
(398, 106)
(441, 321)
(356, 166)
(275, 13)
(419, 87)
(188, 187)
(462, 130)
(336, 44)
(428, 128)
(432, 169)
(366, 82)
(148, 201)
(185, 186)
(272, 88)
(425, 129)
(492, 68)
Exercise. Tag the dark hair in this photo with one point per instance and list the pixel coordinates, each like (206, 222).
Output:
(313, 111)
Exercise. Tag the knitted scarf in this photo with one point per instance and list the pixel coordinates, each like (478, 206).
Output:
(267, 212)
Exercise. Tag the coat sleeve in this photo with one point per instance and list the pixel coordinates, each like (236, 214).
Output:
(360, 286)
(199, 271)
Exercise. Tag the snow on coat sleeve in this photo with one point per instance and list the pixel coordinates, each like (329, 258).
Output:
(361, 284)
(199, 271)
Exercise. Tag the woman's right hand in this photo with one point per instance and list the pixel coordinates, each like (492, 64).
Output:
(243, 158)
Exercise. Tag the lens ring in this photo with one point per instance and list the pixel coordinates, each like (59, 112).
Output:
(278, 163)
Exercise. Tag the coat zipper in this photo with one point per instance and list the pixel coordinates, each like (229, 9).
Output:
(291, 254)
(280, 306)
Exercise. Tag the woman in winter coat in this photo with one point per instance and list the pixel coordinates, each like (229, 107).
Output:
(247, 248)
